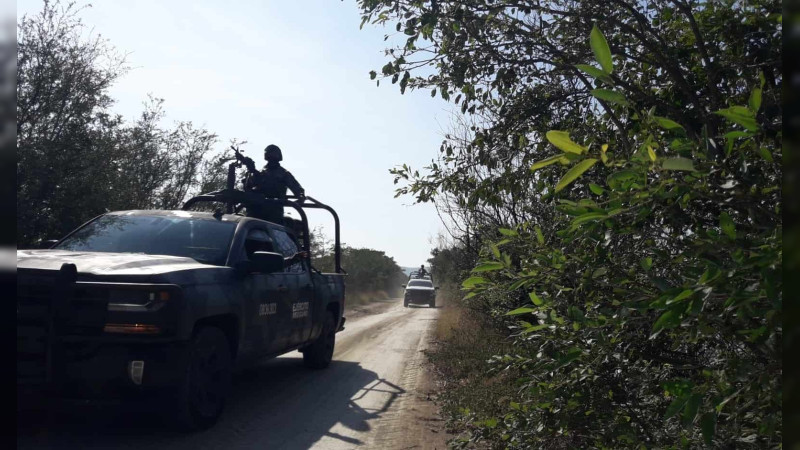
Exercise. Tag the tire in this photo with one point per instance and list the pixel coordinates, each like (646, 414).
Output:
(319, 354)
(432, 303)
(405, 303)
(206, 382)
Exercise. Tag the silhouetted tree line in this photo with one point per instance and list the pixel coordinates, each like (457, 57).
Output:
(76, 159)
(368, 270)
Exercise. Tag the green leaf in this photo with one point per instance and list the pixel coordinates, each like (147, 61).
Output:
(623, 179)
(675, 406)
(726, 223)
(683, 295)
(708, 423)
(508, 232)
(668, 124)
(575, 172)
(535, 299)
(372, 74)
(495, 250)
(523, 310)
(546, 162)
(473, 281)
(678, 163)
(737, 134)
(588, 217)
(610, 96)
(646, 263)
(562, 141)
(651, 153)
(690, 411)
(740, 116)
(533, 328)
(595, 73)
(765, 154)
(669, 319)
(600, 48)
(539, 235)
(488, 267)
(755, 100)
(596, 189)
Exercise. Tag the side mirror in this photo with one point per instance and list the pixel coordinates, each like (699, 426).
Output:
(267, 262)
(48, 243)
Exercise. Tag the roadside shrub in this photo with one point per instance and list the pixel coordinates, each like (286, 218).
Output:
(619, 164)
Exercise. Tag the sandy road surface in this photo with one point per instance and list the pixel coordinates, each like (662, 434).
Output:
(372, 396)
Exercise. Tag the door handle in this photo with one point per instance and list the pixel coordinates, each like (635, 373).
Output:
(282, 289)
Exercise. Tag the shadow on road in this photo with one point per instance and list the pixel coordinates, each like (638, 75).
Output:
(278, 404)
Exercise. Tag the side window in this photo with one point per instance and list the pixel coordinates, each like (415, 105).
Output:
(286, 246)
(257, 240)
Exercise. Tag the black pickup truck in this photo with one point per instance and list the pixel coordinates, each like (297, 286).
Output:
(420, 289)
(164, 305)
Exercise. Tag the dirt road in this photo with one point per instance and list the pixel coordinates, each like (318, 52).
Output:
(372, 396)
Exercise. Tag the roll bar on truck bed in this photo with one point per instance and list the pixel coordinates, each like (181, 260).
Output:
(233, 197)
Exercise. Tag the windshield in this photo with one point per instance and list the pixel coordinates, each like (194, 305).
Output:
(419, 283)
(206, 241)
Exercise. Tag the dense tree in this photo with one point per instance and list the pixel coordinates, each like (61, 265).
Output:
(368, 270)
(620, 162)
(76, 159)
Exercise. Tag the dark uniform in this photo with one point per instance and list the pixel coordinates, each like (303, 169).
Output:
(272, 182)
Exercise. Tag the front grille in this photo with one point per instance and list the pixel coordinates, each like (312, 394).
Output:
(53, 304)
(418, 295)
(34, 322)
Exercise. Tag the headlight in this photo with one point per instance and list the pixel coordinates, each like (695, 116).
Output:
(134, 299)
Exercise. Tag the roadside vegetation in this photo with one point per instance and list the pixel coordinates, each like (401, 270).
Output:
(371, 274)
(465, 339)
(613, 177)
(76, 159)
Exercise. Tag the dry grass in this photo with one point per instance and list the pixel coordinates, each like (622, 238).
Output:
(465, 341)
(451, 319)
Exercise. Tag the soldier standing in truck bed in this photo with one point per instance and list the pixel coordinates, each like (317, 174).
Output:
(272, 182)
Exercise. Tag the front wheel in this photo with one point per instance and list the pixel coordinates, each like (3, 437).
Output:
(319, 354)
(204, 388)
(432, 303)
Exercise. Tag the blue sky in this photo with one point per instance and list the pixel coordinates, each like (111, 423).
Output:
(292, 73)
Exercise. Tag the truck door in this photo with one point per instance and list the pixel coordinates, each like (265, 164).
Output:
(301, 289)
(268, 303)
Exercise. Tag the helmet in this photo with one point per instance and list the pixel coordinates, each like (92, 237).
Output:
(273, 152)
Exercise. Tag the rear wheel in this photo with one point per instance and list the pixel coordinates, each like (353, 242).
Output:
(319, 354)
(206, 382)
(432, 303)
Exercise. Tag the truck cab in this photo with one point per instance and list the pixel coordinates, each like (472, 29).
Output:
(161, 306)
